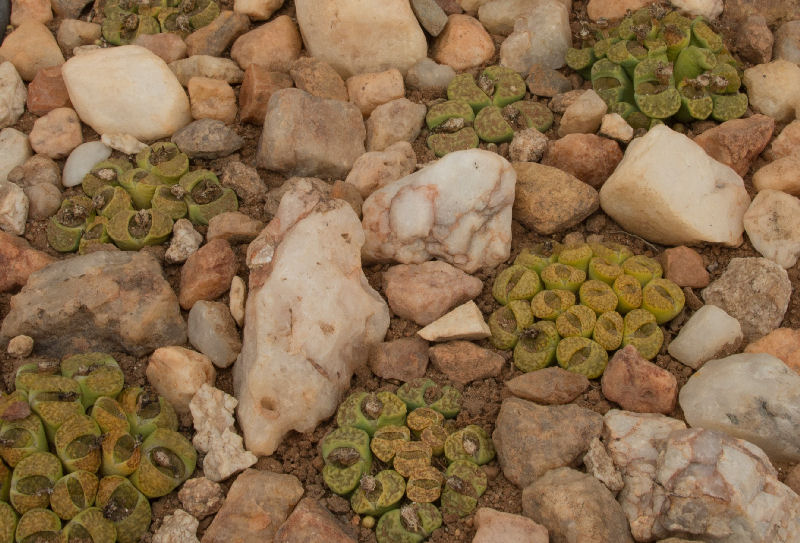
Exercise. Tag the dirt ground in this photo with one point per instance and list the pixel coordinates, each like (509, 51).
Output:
(299, 454)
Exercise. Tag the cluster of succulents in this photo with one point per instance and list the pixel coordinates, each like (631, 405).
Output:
(127, 19)
(657, 64)
(489, 109)
(385, 453)
(81, 454)
(575, 304)
(134, 206)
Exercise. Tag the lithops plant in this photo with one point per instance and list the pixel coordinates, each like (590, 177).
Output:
(641, 330)
(464, 483)
(424, 392)
(536, 348)
(387, 439)
(77, 442)
(657, 65)
(167, 460)
(109, 415)
(347, 458)
(33, 480)
(147, 412)
(39, 525)
(126, 508)
(127, 19)
(369, 412)
(90, 525)
(73, 493)
(205, 197)
(516, 283)
(66, 227)
(582, 355)
(8, 522)
(376, 495)
(508, 322)
(21, 438)
(411, 523)
(121, 453)
(98, 374)
(470, 443)
(55, 399)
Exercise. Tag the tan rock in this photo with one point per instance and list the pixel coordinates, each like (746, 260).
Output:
(738, 142)
(599, 464)
(257, 87)
(206, 66)
(257, 10)
(613, 9)
(167, 45)
(30, 10)
(274, 45)
(639, 385)
(233, 227)
(589, 157)
(310, 522)
(368, 91)
(47, 91)
(782, 174)
(207, 274)
(377, 169)
(783, 343)
(20, 346)
(463, 322)
(464, 362)
(787, 143)
(212, 99)
(549, 386)
(57, 133)
(463, 43)
(499, 527)
(31, 47)
(403, 359)
(201, 497)
(213, 39)
(319, 78)
(18, 260)
(73, 33)
(684, 266)
(177, 374)
(398, 120)
(238, 296)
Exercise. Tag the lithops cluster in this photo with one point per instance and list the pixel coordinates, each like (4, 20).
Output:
(657, 65)
(134, 205)
(575, 304)
(387, 454)
(81, 455)
(127, 19)
(489, 109)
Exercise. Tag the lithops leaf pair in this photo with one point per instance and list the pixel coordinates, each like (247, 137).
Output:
(347, 457)
(470, 443)
(126, 508)
(464, 483)
(39, 525)
(205, 197)
(21, 438)
(411, 523)
(507, 323)
(77, 442)
(368, 411)
(167, 460)
(516, 282)
(33, 480)
(536, 348)
(146, 412)
(376, 495)
(65, 228)
(98, 374)
(423, 392)
(55, 399)
(73, 493)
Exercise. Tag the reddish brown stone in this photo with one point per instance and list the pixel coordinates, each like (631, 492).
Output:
(207, 274)
(463, 44)
(783, 343)
(639, 385)
(274, 45)
(47, 91)
(738, 142)
(588, 157)
(18, 260)
(402, 359)
(684, 266)
(550, 386)
(257, 87)
(311, 522)
(214, 38)
(464, 362)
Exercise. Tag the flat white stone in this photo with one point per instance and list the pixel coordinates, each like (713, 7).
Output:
(772, 223)
(706, 334)
(81, 160)
(463, 322)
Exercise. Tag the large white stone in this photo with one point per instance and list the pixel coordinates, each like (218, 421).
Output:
(710, 9)
(311, 318)
(772, 223)
(458, 209)
(710, 332)
(358, 36)
(668, 190)
(499, 16)
(12, 95)
(127, 90)
(752, 396)
(772, 88)
(543, 36)
(81, 160)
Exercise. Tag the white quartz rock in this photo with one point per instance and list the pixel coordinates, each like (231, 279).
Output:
(179, 527)
(81, 160)
(215, 435)
(669, 191)
(752, 396)
(772, 223)
(463, 322)
(185, 242)
(458, 210)
(127, 90)
(12, 95)
(707, 334)
(710, 9)
(311, 318)
(15, 149)
(772, 88)
(13, 208)
(542, 36)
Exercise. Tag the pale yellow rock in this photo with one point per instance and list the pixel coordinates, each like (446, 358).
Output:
(238, 296)
(368, 91)
(177, 374)
(463, 322)
(257, 10)
(212, 99)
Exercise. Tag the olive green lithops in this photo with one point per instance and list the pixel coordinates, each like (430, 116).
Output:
(728, 106)
(109, 416)
(629, 293)
(423, 392)
(90, 525)
(147, 412)
(562, 277)
(612, 253)
(169, 200)
(39, 526)
(531, 114)
(581, 60)
(536, 348)
(470, 443)
(582, 355)
(108, 201)
(21, 438)
(577, 256)
(663, 298)
(141, 185)
(8, 523)
(643, 268)
(5, 481)
(422, 418)
(440, 113)
(464, 89)
(435, 436)
(121, 453)
(30, 375)
(442, 143)
(126, 508)
(608, 330)
(387, 439)
(464, 483)
(576, 321)
(55, 399)
(98, 374)
(104, 174)
(369, 411)
(347, 458)
(376, 495)
(424, 485)
(516, 282)
(96, 234)
(491, 126)
(164, 160)
(77, 444)
(73, 493)
(410, 456)
(538, 257)
(65, 228)
(598, 296)
(205, 197)
(601, 269)
(132, 230)
(33, 480)
(507, 323)
(508, 85)
(549, 304)
(411, 523)
(641, 330)
(167, 460)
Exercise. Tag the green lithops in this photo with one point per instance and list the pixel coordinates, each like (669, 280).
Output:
(582, 355)
(549, 304)
(90, 525)
(96, 234)
(424, 485)
(581, 60)
(728, 106)
(629, 293)
(560, 276)
(663, 298)
(169, 200)
(441, 113)
(132, 230)
(347, 458)
(410, 456)
(73, 493)
(423, 392)
(126, 508)
(612, 253)
(205, 197)
(470, 443)
(33, 480)
(509, 87)
(536, 348)
(654, 88)
(164, 160)
(104, 174)
(376, 495)
(598, 296)
(411, 523)
(435, 436)
(608, 330)
(576, 321)
(167, 460)
(643, 268)
(530, 114)
(508, 322)
(55, 399)
(464, 483)
(423, 417)
(121, 453)
(141, 185)
(8, 523)
(77, 442)
(611, 82)
(538, 257)
(442, 143)
(145, 412)
(368, 411)
(641, 330)
(39, 526)
(577, 256)
(98, 374)
(21, 438)
(387, 439)
(109, 415)
(601, 269)
(65, 228)
(108, 201)
(516, 282)
(464, 89)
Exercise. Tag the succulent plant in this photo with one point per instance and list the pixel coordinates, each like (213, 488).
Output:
(435, 436)
(132, 230)
(539, 256)
(386, 441)
(442, 143)
(464, 483)
(109, 416)
(582, 355)
(464, 89)
(55, 399)
(104, 174)
(549, 304)
(5, 481)
(205, 197)
(411, 523)
(663, 298)
(39, 525)
(376, 495)
(77, 442)
(612, 253)
(516, 283)
(347, 458)
(8, 523)
(441, 113)
(424, 485)
(98, 374)
(601, 269)
(90, 525)
(145, 412)
(126, 508)
(643, 268)
(598, 296)
(368, 411)
(629, 293)
(108, 201)
(167, 460)
(21, 438)
(141, 185)
(529, 114)
(491, 126)
(65, 228)
(164, 160)
(470, 443)
(560, 276)
(73, 493)
(169, 200)
(641, 330)
(423, 392)
(423, 417)
(412, 455)
(508, 322)
(121, 453)
(608, 330)
(577, 256)
(576, 321)
(96, 234)
(33, 480)
(507, 85)
(536, 348)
